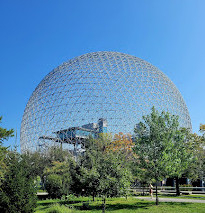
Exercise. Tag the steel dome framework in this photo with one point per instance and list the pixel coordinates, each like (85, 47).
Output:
(116, 87)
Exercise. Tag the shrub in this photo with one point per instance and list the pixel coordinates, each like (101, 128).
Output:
(53, 185)
(17, 192)
(57, 208)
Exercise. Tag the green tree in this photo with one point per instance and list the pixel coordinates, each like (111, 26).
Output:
(37, 163)
(78, 174)
(181, 154)
(196, 168)
(56, 153)
(202, 129)
(154, 138)
(107, 175)
(3, 166)
(57, 179)
(54, 185)
(4, 133)
(17, 192)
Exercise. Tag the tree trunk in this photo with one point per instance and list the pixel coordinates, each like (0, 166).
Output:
(157, 199)
(93, 196)
(103, 206)
(177, 187)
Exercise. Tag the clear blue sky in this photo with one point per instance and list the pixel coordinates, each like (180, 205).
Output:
(37, 36)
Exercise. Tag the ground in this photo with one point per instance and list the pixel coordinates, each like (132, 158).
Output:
(121, 205)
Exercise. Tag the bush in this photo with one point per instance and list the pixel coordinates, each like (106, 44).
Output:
(53, 185)
(70, 197)
(57, 208)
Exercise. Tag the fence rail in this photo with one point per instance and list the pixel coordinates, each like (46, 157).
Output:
(170, 188)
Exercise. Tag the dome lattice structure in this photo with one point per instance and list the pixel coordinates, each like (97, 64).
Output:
(111, 88)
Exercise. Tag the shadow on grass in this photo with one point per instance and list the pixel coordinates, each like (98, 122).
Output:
(141, 205)
(137, 205)
(176, 204)
(129, 206)
(116, 205)
(51, 202)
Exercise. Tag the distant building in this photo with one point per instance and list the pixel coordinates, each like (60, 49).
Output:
(76, 136)
(80, 133)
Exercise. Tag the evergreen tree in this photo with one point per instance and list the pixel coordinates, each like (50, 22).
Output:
(17, 192)
(4, 135)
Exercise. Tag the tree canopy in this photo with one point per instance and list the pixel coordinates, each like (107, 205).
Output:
(160, 146)
(106, 174)
(4, 133)
(17, 192)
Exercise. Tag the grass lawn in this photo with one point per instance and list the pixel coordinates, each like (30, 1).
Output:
(122, 205)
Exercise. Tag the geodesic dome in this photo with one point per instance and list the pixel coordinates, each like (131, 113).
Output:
(113, 88)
